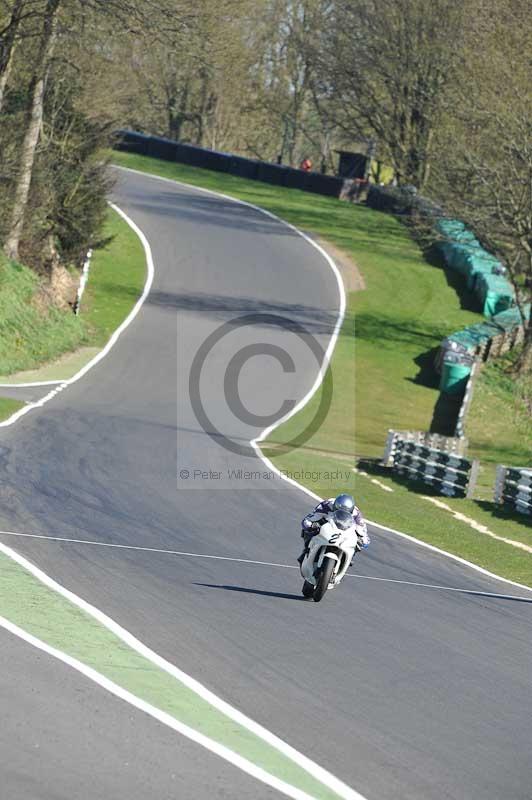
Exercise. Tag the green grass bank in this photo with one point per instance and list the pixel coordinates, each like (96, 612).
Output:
(38, 344)
(8, 407)
(30, 333)
(383, 364)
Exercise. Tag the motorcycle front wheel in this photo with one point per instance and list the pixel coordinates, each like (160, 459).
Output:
(307, 590)
(324, 579)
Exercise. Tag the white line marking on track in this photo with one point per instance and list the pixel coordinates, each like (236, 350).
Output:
(308, 396)
(166, 719)
(317, 772)
(145, 549)
(479, 592)
(185, 554)
(28, 385)
(453, 557)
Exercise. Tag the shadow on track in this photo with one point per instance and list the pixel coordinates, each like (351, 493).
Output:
(217, 212)
(223, 307)
(244, 590)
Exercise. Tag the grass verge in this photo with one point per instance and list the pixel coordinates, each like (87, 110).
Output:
(30, 335)
(383, 364)
(48, 616)
(116, 280)
(8, 407)
(37, 346)
(500, 422)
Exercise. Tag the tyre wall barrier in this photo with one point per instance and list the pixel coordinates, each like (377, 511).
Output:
(513, 488)
(446, 444)
(486, 277)
(485, 340)
(275, 174)
(402, 200)
(482, 272)
(448, 474)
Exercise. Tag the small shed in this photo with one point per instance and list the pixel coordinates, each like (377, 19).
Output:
(352, 164)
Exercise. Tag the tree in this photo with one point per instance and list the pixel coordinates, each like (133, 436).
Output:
(490, 189)
(389, 65)
(70, 183)
(8, 40)
(33, 125)
(237, 75)
(484, 170)
(135, 15)
(286, 86)
(194, 84)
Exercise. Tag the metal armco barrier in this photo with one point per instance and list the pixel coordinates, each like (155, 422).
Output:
(513, 488)
(449, 474)
(277, 174)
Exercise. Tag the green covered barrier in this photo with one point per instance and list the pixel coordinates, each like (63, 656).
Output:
(456, 254)
(470, 339)
(485, 276)
(450, 227)
(463, 252)
(457, 241)
(470, 260)
(466, 237)
(495, 293)
(484, 273)
(456, 369)
(511, 318)
(481, 263)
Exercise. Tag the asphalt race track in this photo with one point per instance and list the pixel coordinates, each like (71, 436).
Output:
(63, 737)
(400, 691)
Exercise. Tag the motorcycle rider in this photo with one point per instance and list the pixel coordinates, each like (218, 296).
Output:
(312, 523)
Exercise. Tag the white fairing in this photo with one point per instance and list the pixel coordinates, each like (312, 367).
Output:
(330, 542)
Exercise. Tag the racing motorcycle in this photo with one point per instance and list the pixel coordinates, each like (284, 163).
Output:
(329, 556)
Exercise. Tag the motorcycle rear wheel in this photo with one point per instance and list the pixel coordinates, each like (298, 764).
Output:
(323, 580)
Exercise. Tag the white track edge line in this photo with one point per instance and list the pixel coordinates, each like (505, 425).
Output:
(441, 552)
(161, 716)
(29, 385)
(255, 442)
(313, 769)
(318, 772)
(60, 385)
